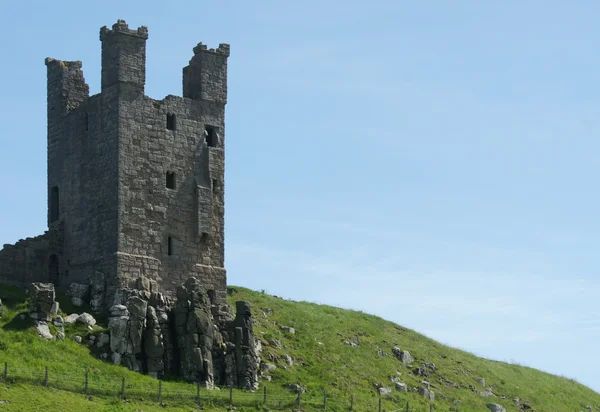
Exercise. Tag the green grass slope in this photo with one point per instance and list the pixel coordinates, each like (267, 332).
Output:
(321, 363)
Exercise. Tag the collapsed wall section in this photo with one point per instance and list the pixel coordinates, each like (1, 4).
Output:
(35, 259)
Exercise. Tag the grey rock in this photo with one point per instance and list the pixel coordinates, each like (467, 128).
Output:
(86, 319)
(77, 302)
(97, 292)
(119, 310)
(288, 329)
(267, 367)
(119, 333)
(401, 386)
(287, 359)
(427, 393)
(41, 299)
(103, 339)
(384, 391)
(480, 381)
(77, 338)
(72, 318)
(494, 407)
(43, 330)
(425, 384)
(55, 309)
(60, 335)
(116, 358)
(403, 355)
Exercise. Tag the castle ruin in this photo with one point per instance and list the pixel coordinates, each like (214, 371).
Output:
(135, 185)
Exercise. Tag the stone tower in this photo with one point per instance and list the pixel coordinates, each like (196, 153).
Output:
(135, 185)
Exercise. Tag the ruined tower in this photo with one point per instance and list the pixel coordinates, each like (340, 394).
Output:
(135, 185)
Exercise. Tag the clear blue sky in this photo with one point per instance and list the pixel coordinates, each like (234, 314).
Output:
(434, 162)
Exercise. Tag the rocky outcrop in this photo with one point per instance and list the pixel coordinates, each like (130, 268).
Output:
(192, 338)
(196, 333)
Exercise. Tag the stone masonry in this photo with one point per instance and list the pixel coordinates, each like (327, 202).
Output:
(135, 185)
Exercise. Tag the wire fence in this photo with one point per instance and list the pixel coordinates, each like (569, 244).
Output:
(93, 383)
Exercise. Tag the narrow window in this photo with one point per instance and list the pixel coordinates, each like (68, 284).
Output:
(211, 136)
(204, 238)
(169, 245)
(171, 121)
(215, 185)
(212, 296)
(170, 180)
(87, 122)
(54, 212)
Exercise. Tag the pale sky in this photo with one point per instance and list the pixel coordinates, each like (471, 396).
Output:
(434, 162)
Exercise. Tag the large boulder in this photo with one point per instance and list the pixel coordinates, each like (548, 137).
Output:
(86, 319)
(41, 299)
(494, 407)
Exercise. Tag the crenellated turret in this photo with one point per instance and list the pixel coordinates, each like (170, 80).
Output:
(124, 56)
(205, 78)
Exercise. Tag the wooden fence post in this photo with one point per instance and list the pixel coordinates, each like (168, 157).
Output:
(198, 392)
(352, 402)
(123, 389)
(324, 400)
(5, 370)
(298, 400)
(265, 395)
(231, 394)
(380, 404)
(46, 378)
(86, 383)
(407, 407)
(160, 391)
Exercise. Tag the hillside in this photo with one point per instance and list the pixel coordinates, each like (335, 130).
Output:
(320, 348)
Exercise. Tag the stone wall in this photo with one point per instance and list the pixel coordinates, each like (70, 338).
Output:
(29, 260)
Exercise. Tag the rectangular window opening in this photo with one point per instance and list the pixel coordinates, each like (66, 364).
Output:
(171, 121)
(215, 185)
(54, 204)
(211, 136)
(170, 246)
(170, 183)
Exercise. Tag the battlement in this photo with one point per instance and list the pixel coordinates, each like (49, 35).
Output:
(121, 27)
(223, 49)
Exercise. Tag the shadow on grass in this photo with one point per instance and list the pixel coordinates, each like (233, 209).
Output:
(17, 323)
(12, 296)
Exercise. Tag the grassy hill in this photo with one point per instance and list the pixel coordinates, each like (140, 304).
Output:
(333, 353)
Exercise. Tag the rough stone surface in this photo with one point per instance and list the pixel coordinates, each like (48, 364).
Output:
(150, 202)
(401, 386)
(41, 300)
(427, 393)
(77, 338)
(43, 330)
(494, 407)
(72, 318)
(86, 319)
(403, 355)
(384, 391)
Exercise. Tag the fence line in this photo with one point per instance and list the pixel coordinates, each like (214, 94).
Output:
(89, 384)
